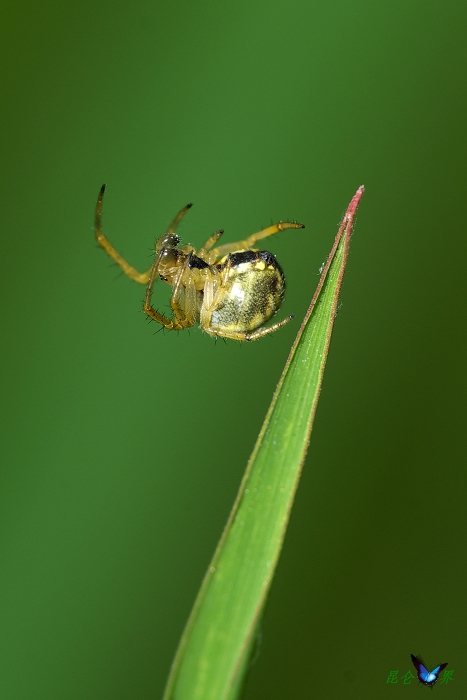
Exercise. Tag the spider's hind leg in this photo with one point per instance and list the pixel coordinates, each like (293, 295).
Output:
(249, 242)
(239, 335)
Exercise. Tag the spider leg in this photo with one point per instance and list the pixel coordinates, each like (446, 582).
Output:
(212, 240)
(173, 226)
(238, 335)
(214, 288)
(249, 242)
(183, 300)
(190, 301)
(147, 306)
(141, 277)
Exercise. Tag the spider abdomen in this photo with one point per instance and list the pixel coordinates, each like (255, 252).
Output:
(253, 294)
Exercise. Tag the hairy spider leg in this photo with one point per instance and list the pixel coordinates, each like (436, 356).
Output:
(249, 242)
(181, 320)
(147, 307)
(141, 277)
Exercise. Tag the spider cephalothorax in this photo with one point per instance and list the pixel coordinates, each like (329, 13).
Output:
(231, 290)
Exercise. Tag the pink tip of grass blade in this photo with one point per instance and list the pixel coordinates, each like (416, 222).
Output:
(352, 208)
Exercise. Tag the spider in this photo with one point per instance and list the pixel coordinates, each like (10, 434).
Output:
(231, 290)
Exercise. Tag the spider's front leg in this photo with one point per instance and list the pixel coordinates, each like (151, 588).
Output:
(141, 277)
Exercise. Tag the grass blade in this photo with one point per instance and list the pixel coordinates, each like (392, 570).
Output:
(213, 654)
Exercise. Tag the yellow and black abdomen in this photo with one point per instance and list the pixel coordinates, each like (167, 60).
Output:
(253, 293)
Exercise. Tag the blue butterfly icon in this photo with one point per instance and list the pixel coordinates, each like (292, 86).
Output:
(424, 675)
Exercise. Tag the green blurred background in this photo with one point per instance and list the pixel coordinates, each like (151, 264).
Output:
(122, 450)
